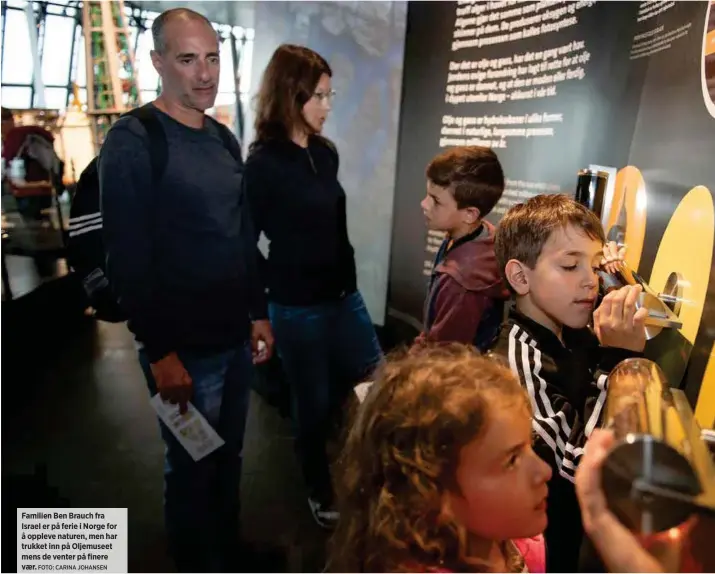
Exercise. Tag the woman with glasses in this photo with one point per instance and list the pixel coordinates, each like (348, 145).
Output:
(324, 335)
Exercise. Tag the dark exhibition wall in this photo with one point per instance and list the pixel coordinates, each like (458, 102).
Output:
(558, 87)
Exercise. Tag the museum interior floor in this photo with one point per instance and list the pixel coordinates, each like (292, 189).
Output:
(78, 431)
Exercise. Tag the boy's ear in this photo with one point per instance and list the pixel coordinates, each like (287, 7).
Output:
(471, 215)
(516, 273)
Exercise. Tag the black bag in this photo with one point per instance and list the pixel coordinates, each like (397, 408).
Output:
(86, 255)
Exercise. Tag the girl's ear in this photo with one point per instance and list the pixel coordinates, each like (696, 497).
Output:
(450, 505)
(450, 517)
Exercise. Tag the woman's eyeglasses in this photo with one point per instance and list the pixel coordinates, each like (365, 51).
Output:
(325, 97)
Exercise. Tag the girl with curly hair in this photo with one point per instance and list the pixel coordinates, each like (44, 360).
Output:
(438, 473)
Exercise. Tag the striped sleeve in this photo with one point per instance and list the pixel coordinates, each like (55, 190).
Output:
(556, 422)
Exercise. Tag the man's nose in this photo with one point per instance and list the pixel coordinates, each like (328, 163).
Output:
(203, 71)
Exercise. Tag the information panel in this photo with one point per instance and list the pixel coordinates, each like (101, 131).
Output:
(72, 539)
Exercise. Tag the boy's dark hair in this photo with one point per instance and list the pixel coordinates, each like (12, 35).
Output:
(472, 173)
(526, 227)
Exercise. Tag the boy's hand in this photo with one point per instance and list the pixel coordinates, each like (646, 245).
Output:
(613, 257)
(616, 321)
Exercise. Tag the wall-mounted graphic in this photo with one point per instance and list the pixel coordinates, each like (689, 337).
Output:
(682, 265)
(676, 292)
(624, 88)
(709, 59)
(627, 217)
(681, 275)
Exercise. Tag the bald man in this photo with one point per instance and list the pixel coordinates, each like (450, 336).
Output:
(181, 258)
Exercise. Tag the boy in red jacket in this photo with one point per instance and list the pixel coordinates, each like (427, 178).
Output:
(466, 293)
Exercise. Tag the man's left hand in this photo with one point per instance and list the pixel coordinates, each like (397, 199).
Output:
(261, 341)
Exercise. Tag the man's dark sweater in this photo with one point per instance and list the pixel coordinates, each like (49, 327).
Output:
(180, 254)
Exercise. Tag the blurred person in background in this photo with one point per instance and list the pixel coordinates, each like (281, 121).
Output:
(32, 191)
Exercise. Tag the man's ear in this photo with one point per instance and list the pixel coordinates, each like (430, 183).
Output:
(518, 276)
(470, 215)
(156, 61)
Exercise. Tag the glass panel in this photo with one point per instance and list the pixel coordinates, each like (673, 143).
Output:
(81, 68)
(226, 82)
(52, 9)
(56, 98)
(17, 3)
(16, 98)
(81, 94)
(132, 37)
(57, 49)
(225, 99)
(147, 76)
(18, 69)
(246, 67)
(148, 96)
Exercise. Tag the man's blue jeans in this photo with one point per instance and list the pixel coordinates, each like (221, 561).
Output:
(325, 350)
(201, 499)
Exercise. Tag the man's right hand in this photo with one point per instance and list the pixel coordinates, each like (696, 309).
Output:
(172, 381)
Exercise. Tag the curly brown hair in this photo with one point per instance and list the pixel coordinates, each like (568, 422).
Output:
(288, 82)
(401, 455)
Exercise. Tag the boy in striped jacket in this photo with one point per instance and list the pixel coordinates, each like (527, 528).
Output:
(549, 250)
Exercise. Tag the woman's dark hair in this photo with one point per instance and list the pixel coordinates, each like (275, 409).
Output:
(288, 82)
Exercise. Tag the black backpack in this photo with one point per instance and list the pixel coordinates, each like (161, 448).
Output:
(86, 255)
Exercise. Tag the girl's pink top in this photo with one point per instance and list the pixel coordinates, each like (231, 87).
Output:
(533, 551)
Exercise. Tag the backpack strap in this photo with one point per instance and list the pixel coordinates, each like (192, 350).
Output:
(228, 140)
(158, 148)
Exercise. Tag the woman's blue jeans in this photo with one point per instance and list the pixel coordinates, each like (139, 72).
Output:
(325, 350)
